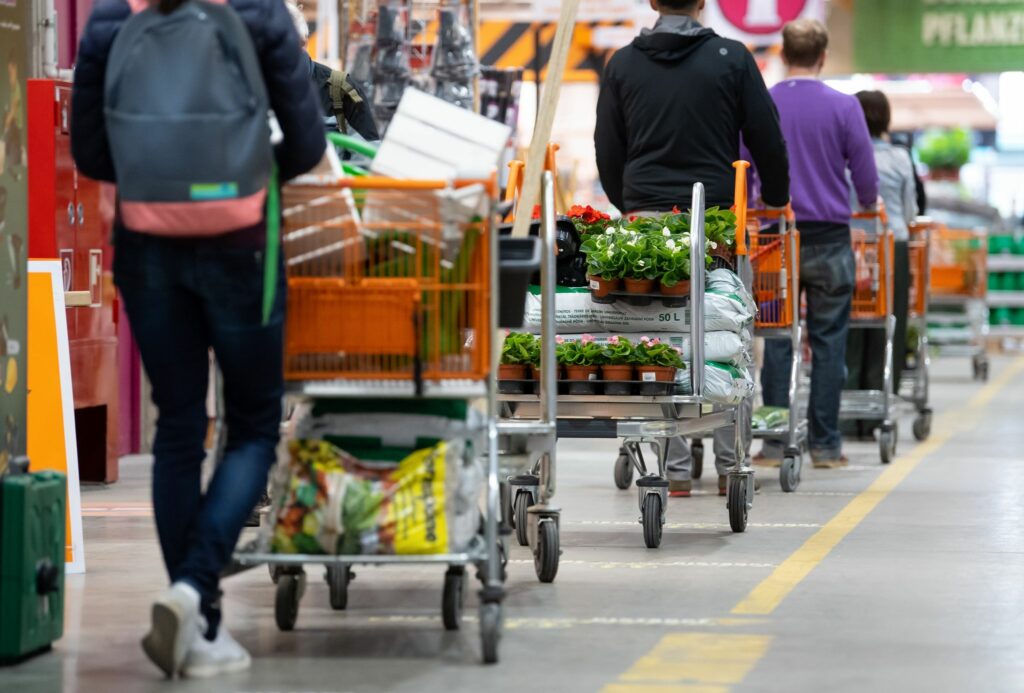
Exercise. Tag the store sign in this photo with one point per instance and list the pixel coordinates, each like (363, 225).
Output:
(758, 22)
(590, 10)
(939, 35)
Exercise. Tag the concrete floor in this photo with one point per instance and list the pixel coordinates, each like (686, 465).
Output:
(923, 590)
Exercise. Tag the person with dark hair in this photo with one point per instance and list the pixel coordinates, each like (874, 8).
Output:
(189, 285)
(672, 109)
(865, 349)
(827, 137)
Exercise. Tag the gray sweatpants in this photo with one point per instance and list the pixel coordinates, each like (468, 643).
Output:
(680, 459)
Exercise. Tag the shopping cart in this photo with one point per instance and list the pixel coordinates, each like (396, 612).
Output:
(916, 383)
(391, 303)
(640, 420)
(874, 252)
(775, 261)
(957, 311)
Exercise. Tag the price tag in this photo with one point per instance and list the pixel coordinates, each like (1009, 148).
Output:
(650, 377)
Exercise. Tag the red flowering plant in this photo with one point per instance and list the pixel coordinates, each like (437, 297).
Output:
(588, 220)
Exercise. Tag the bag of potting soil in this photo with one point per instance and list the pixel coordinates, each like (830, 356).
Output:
(325, 501)
(576, 312)
(770, 418)
(723, 384)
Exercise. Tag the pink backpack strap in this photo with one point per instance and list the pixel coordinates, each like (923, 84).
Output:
(140, 5)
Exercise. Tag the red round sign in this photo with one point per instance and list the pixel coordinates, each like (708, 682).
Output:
(761, 16)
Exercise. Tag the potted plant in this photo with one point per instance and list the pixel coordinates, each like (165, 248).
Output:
(619, 369)
(674, 268)
(720, 234)
(582, 360)
(639, 268)
(657, 363)
(604, 265)
(588, 220)
(517, 353)
(945, 152)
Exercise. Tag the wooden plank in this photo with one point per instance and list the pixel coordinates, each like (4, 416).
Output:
(546, 117)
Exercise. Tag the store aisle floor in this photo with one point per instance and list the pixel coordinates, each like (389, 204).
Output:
(903, 578)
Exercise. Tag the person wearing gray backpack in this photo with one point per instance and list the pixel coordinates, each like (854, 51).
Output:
(171, 102)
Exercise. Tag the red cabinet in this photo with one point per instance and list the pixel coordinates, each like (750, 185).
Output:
(70, 218)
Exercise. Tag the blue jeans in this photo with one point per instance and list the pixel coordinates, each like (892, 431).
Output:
(183, 297)
(827, 276)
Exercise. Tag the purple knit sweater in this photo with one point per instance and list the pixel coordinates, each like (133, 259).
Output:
(826, 135)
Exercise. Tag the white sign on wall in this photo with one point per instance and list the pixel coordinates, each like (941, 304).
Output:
(590, 10)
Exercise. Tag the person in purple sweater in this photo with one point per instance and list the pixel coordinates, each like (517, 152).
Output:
(827, 136)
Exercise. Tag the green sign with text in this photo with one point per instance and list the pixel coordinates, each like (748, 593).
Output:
(902, 36)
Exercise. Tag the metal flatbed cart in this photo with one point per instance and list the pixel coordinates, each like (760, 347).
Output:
(392, 299)
(642, 420)
(775, 260)
(916, 384)
(874, 251)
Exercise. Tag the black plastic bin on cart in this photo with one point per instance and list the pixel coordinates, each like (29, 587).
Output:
(519, 262)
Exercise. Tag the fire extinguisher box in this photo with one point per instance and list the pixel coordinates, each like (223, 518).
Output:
(71, 219)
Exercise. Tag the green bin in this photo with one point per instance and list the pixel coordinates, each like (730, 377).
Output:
(31, 563)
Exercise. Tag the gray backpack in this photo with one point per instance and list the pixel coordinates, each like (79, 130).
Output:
(187, 120)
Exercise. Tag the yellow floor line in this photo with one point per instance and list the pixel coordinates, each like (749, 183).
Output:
(767, 596)
(693, 662)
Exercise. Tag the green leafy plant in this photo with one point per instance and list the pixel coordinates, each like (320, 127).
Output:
(672, 255)
(583, 352)
(604, 255)
(520, 349)
(720, 227)
(588, 220)
(654, 352)
(945, 149)
(638, 260)
(620, 352)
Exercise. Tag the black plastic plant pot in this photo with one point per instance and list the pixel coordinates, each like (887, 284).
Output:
(519, 261)
(582, 387)
(619, 388)
(512, 387)
(657, 389)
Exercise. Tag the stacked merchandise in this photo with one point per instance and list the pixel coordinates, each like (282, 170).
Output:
(454, 64)
(1006, 260)
(500, 90)
(372, 484)
(629, 342)
(391, 69)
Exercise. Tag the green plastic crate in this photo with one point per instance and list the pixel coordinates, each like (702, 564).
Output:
(31, 563)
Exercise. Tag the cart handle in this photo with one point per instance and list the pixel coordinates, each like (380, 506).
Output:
(741, 205)
(352, 144)
(880, 214)
(517, 171)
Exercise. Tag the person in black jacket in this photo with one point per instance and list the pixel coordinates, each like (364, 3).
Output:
(673, 107)
(184, 296)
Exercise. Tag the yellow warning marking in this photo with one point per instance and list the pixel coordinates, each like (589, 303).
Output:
(694, 662)
(767, 596)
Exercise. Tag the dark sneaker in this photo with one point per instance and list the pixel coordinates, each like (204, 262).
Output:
(680, 489)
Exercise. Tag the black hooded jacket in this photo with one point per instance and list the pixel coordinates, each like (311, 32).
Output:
(671, 112)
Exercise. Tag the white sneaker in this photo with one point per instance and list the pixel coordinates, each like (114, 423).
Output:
(177, 623)
(221, 656)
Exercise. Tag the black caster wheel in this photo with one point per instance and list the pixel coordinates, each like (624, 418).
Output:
(547, 551)
(275, 572)
(623, 472)
(923, 426)
(490, 631)
(522, 503)
(290, 587)
(651, 518)
(789, 474)
(454, 597)
(887, 443)
(980, 365)
(737, 497)
(697, 450)
(338, 578)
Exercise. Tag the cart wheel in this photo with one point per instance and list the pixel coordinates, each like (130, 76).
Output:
(980, 364)
(697, 451)
(490, 631)
(623, 472)
(923, 426)
(887, 443)
(338, 577)
(547, 552)
(522, 504)
(789, 474)
(454, 597)
(651, 518)
(738, 503)
(275, 572)
(286, 602)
